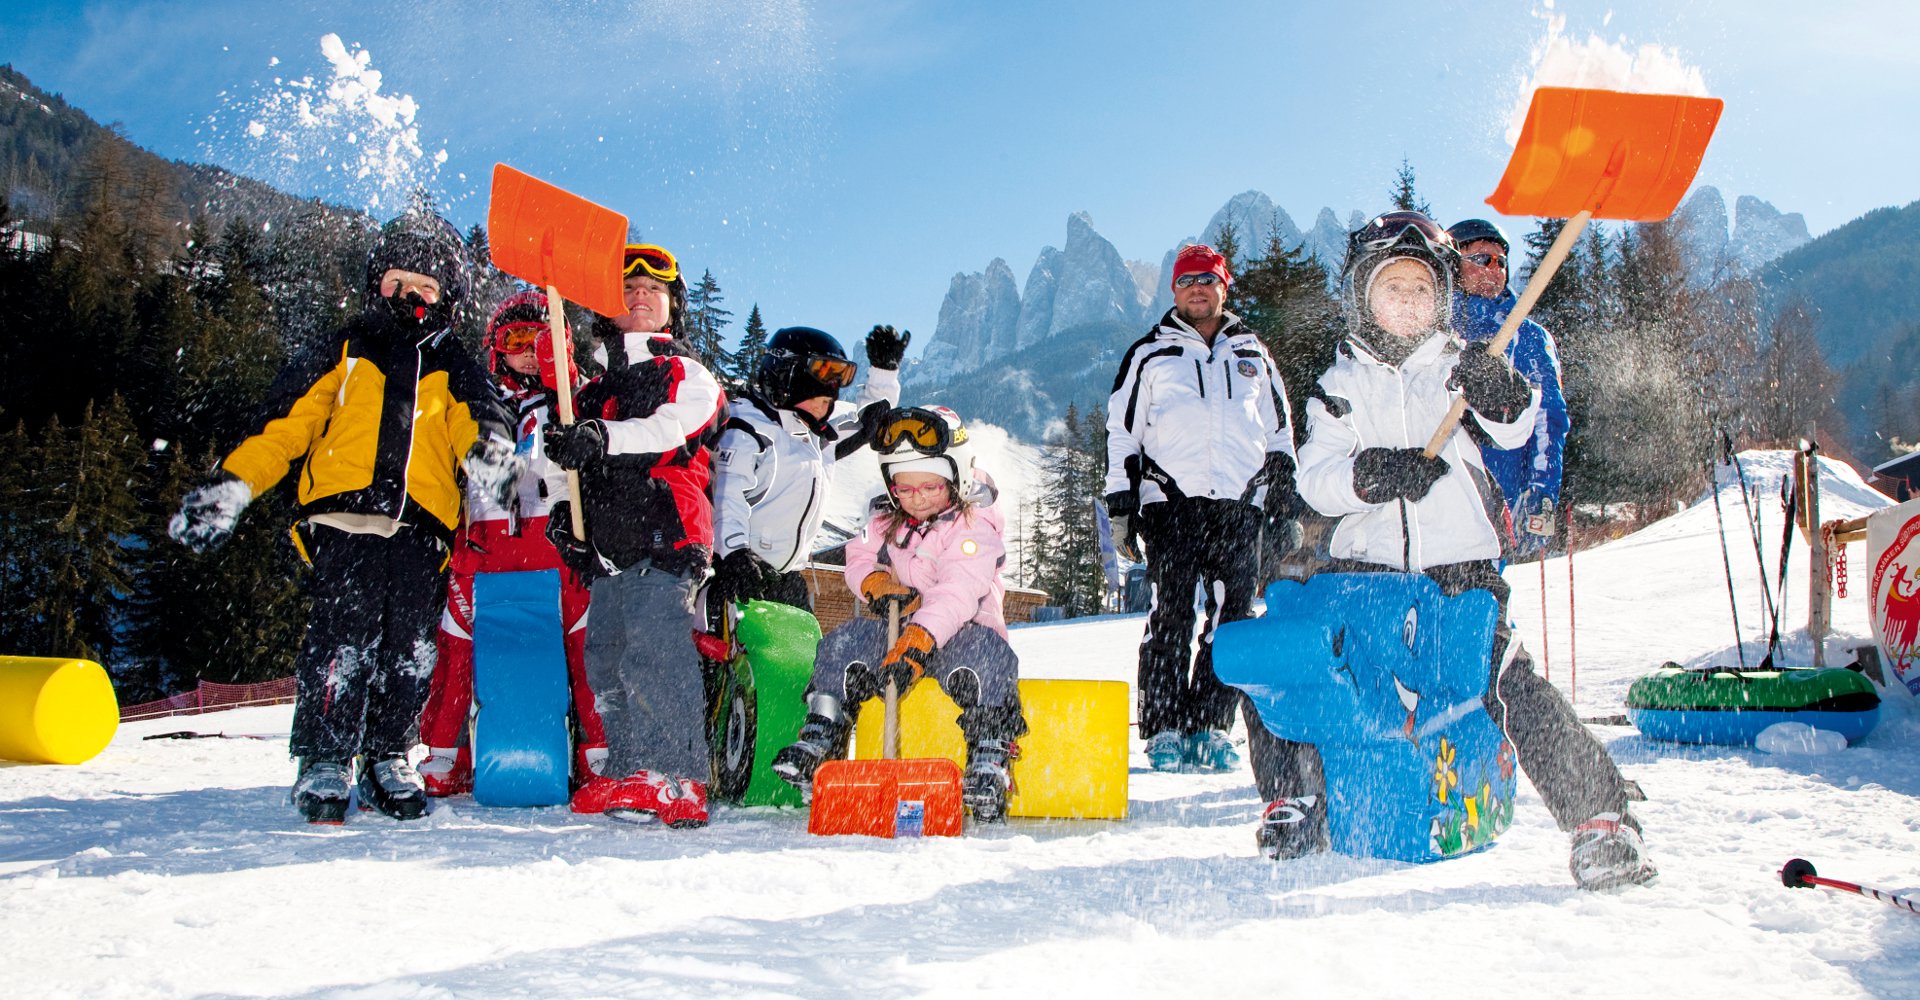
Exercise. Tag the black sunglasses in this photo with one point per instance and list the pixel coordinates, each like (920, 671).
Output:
(1202, 278)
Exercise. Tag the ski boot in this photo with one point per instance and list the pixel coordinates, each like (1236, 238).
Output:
(392, 786)
(824, 735)
(321, 793)
(447, 771)
(1607, 853)
(1166, 750)
(1211, 750)
(989, 779)
(1293, 827)
(678, 802)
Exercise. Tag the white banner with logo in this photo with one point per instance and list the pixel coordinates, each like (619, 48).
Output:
(1893, 550)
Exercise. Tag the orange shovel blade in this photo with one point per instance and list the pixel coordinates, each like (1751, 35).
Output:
(1617, 155)
(549, 236)
(865, 797)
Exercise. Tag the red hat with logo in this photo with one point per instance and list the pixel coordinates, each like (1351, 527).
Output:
(1198, 258)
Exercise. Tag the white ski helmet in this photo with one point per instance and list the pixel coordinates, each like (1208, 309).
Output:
(925, 439)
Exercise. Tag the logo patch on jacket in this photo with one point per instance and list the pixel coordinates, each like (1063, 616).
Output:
(969, 547)
(1248, 368)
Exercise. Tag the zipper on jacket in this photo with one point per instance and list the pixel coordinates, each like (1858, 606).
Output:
(1200, 377)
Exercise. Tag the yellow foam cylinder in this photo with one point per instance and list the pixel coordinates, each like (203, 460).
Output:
(1073, 760)
(55, 710)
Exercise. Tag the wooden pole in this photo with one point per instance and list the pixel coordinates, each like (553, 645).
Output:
(1819, 600)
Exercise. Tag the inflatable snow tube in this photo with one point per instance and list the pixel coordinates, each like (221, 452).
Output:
(1729, 706)
(55, 710)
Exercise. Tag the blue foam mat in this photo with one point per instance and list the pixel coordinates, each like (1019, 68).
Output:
(520, 743)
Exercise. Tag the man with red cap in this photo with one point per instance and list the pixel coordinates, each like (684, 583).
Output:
(1199, 466)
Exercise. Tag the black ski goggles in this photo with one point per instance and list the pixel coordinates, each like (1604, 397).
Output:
(655, 262)
(922, 430)
(1395, 228)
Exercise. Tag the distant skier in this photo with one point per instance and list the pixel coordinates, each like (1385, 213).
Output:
(508, 539)
(933, 548)
(774, 471)
(384, 415)
(1528, 475)
(1200, 466)
(1392, 380)
(641, 444)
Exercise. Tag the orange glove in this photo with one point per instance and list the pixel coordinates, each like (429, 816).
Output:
(880, 589)
(906, 662)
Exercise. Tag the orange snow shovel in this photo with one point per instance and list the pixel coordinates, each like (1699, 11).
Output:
(571, 247)
(1586, 154)
(888, 797)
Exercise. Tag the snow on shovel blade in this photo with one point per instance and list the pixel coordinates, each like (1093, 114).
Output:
(1617, 155)
(551, 237)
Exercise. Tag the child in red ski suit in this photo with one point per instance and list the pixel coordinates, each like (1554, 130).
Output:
(506, 539)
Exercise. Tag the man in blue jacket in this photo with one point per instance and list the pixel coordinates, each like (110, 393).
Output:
(1528, 476)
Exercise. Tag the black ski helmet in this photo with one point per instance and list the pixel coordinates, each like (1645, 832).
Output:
(1474, 230)
(423, 243)
(1385, 237)
(801, 363)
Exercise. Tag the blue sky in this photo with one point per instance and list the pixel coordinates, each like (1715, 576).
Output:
(837, 163)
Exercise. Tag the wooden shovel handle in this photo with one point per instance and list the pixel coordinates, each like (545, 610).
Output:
(1536, 284)
(890, 731)
(563, 387)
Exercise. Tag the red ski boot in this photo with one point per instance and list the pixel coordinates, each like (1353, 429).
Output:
(447, 771)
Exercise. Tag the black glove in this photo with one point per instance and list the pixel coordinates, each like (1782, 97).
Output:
(208, 514)
(577, 553)
(1283, 493)
(885, 347)
(873, 416)
(580, 446)
(1492, 388)
(1123, 512)
(737, 576)
(1383, 475)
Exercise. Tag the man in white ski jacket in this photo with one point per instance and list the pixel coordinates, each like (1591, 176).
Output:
(774, 470)
(1199, 464)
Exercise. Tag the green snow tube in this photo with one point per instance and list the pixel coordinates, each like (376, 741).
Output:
(1732, 706)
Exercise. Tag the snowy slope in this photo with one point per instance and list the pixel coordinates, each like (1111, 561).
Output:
(174, 868)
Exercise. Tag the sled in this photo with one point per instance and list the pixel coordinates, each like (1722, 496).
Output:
(1588, 154)
(888, 797)
(569, 246)
(1073, 760)
(1731, 706)
(521, 748)
(1385, 675)
(55, 710)
(762, 702)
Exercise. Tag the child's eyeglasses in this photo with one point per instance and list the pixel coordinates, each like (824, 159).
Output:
(929, 491)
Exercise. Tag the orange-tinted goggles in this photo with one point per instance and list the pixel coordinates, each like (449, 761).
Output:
(655, 262)
(918, 429)
(833, 371)
(517, 338)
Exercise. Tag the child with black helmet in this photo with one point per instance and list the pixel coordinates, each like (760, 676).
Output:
(775, 462)
(932, 548)
(384, 415)
(1391, 382)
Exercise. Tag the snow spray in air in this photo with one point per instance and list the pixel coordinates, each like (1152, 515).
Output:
(1560, 61)
(338, 137)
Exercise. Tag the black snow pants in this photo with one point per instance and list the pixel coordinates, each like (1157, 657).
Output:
(362, 672)
(1193, 542)
(1574, 774)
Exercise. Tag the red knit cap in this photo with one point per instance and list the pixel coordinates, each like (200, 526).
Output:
(1198, 257)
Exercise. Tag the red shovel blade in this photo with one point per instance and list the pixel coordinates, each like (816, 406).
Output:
(866, 796)
(549, 236)
(1617, 155)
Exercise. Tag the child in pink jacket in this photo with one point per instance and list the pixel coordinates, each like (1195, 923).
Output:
(933, 548)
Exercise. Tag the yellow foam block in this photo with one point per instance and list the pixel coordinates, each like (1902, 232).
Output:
(55, 710)
(1073, 760)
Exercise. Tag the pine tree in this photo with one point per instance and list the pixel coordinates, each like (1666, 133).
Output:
(1070, 569)
(1286, 302)
(86, 508)
(1227, 244)
(705, 320)
(1403, 196)
(745, 360)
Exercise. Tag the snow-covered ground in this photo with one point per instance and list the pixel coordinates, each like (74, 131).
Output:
(175, 867)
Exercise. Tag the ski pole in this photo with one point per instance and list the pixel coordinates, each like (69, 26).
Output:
(1546, 658)
(1573, 648)
(1799, 874)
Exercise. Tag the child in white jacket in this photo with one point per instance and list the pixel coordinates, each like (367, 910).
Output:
(1392, 381)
